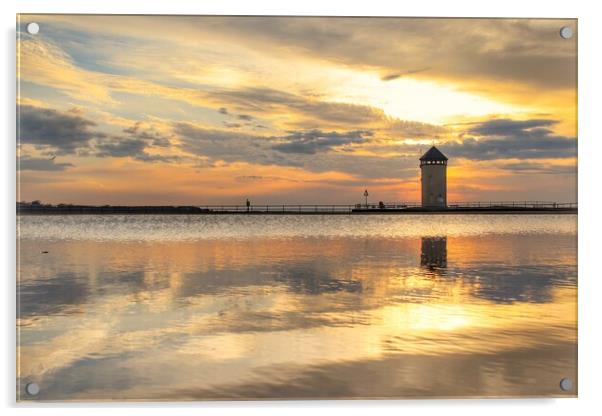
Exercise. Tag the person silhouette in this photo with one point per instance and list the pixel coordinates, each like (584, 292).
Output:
(248, 205)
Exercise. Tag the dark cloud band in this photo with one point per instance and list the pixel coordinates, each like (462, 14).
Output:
(508, 139)
(64, 132)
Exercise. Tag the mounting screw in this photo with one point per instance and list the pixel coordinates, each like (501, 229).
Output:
(566, 32)
(566, 384)
(32, 389)
(33, 28)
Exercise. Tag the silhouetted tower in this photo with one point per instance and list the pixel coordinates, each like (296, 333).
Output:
(433, 167)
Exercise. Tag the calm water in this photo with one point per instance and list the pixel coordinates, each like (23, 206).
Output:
(213, 307)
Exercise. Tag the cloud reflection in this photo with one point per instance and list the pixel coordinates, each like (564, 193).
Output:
(251, 321)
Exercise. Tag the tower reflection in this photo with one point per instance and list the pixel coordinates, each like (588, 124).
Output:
(433, 253)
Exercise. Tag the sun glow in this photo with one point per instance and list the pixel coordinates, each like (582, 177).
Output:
(413, 99)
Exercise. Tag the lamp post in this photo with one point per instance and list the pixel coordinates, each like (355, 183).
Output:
(366, 196)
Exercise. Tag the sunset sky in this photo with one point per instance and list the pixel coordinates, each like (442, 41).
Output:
(210, 110)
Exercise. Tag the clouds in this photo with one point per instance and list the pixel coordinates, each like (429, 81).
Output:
(235, 146)
(44, 63)
(136, 144)
(313, 141)
(271, 101)
(520, 50)
(70, 133)
(277, 106)
(242, 120)
(120, 147)
(313, 151)
(299, 112)
(393, 76)
(227, 146)
(64, 132)
(520, 139)
(190, 131)
(516, 58)
(149, 135)
(539, 168)
(264, 100)
(42, 164)
(507, 127)
(338, 100)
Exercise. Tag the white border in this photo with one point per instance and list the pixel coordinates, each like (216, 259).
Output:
(590, 190)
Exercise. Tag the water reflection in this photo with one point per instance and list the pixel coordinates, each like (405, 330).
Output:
(59, 294)
(508, 285)
(434, 253)
(307, 278)
(316, 317)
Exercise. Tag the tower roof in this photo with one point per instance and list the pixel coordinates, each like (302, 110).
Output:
(433, 154)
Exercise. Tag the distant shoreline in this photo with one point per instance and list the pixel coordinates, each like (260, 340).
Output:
(189, 210)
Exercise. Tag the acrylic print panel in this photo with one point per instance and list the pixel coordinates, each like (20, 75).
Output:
(296, 208)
